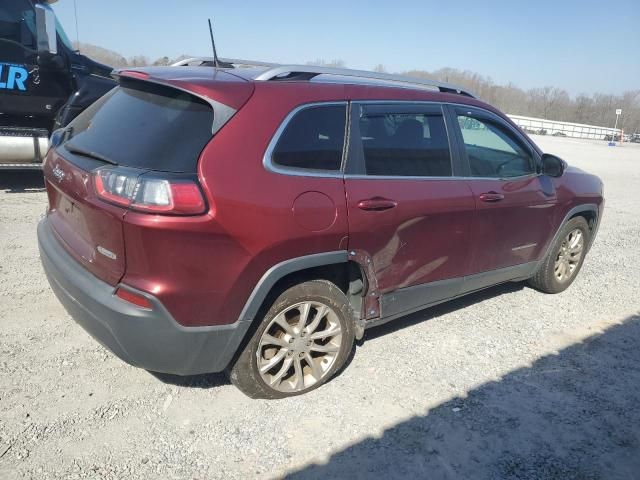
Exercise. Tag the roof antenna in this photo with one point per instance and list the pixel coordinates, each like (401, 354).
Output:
(75, 11)
(216, 63)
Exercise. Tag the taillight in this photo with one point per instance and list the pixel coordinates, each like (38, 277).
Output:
(167, 195)
(115, 186)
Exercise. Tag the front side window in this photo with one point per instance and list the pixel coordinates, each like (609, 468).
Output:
(493, 151)
(313, 139)
(405, 144)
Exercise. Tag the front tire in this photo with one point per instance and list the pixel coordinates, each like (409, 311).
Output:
(566, 256)
(304, 339)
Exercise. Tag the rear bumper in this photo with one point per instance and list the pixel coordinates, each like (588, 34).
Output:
(149, 339)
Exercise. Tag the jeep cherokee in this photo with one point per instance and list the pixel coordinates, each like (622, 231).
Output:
(257, 219)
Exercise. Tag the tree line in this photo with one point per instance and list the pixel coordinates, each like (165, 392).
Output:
(115, 60)
(547, 102)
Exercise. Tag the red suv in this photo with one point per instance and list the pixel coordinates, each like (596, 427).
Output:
(256, 220)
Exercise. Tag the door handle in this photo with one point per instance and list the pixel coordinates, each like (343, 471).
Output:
(376, 204)
(491, 197)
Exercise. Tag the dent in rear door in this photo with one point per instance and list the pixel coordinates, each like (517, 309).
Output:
(407, 213)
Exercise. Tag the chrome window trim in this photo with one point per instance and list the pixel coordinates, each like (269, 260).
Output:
(392, 177)
(271, 166)
(517, 132)
(447, 178)
(523, 138)
(398, 177)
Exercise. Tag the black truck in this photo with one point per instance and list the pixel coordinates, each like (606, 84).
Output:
(44, 82)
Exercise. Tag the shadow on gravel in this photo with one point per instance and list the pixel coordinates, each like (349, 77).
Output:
(21, 181)
(209, 380)
(571, 415)
(213, 380)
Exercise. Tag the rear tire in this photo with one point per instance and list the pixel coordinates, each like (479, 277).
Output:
(565, 258)
(304, 339)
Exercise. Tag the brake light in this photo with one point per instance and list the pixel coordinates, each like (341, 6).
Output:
(134, 74)
(127, 188)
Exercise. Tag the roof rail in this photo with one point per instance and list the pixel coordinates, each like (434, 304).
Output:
(234, 62)
(284, 72)
(275, 71)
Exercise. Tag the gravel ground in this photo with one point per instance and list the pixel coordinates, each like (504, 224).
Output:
(507, 383)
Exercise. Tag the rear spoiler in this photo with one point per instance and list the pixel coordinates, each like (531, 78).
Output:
(222, 112)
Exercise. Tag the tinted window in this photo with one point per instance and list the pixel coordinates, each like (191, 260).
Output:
(493, 150)
(401, 144)
(313, 139)
(144, 126)
(17, 31)
(62, 35)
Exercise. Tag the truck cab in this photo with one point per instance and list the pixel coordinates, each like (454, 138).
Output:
(44, 82)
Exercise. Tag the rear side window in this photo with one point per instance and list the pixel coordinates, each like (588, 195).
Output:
(313, 139)
(405, 144)
(146, 126)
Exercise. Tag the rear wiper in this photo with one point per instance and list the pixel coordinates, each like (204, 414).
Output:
(87, 153)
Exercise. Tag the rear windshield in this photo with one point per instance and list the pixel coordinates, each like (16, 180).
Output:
(146, 126)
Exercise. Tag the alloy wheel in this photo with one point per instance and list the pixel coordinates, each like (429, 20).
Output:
(299, 346)
(569, 256)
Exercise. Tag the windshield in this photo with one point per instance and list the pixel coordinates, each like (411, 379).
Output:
(62, 35)
(17, 31)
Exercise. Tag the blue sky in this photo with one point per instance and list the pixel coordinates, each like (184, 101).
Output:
(581, 46)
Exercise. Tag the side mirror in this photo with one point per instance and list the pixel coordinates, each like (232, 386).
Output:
(553, 166)
(46, 30)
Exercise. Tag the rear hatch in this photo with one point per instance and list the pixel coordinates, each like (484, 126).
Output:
(155, 123)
